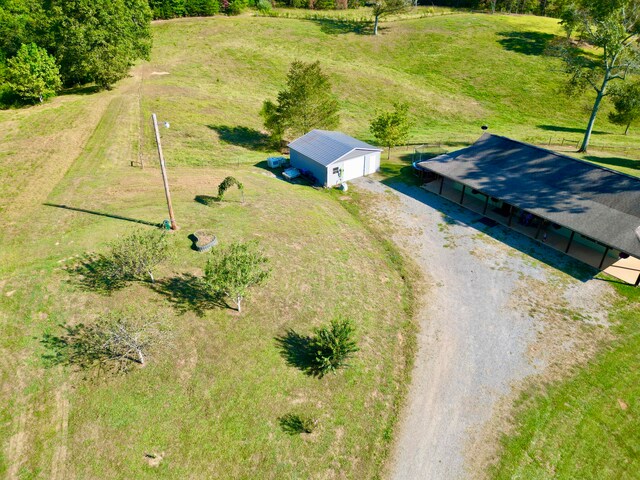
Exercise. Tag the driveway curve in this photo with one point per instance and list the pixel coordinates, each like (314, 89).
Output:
(477, 332)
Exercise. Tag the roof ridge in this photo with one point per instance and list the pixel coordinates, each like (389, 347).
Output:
(562, 155)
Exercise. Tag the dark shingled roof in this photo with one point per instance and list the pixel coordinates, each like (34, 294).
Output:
(325, 147)
(589, 199)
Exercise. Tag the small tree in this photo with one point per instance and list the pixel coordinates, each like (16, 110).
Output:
(305, 104)
(227, 183)
(115, 340)
(332, 346)
(136, 256)
(384, 8)
(33, 74)
(392, 128)
(626, 100)
(235, 269)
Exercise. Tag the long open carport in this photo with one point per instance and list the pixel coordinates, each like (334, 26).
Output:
(537, 207)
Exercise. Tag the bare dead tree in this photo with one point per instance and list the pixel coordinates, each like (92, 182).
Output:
(115, 341)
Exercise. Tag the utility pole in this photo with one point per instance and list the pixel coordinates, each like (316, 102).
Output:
(174, 226)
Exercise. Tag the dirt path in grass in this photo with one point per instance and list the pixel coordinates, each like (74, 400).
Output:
(495, 313)
(59, 463)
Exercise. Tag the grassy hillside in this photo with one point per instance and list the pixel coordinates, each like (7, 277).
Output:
(457, 72)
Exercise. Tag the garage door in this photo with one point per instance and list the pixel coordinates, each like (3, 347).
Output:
(353, 168)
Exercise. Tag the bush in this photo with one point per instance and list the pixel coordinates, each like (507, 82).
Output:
(234, 7)
(201, 8)
(263, 6)
(33, 74)
(332, 346)
(324, 4)
(227, 183)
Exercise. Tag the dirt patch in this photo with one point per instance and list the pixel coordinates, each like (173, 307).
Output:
(154, 459)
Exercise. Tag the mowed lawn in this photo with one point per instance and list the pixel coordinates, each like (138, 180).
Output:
(209, 402)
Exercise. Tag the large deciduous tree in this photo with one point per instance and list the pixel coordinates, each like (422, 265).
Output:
(98, 40)
(33, 74)
(392, 128)
(611, 27)
(383, 8)
(305, 104)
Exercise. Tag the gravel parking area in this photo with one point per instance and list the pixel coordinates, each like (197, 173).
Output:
(499, 308)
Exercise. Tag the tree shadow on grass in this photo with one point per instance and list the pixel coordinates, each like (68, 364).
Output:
(189, 293)
(81, 90)
(207, 200)
(341, 27)
(295, 424)
(297, 351)
(246, 137)
(527, 43)
(615, 161)
(93, 273)
(556, 128)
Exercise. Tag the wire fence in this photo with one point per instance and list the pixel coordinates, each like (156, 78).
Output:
(551, 143)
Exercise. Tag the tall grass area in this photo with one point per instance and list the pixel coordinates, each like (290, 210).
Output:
(586, 427)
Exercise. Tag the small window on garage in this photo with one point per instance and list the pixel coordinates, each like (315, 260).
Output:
(336, 170)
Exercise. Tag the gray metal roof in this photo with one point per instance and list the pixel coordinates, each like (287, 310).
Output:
(325, 147)
(594, 201)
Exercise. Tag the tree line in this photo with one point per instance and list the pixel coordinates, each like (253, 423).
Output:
(537, 7)
(49, 44)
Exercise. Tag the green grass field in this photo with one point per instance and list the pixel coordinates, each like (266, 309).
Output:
(211, 400)
(586, 427)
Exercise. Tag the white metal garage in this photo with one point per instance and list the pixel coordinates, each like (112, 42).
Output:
(333, 157)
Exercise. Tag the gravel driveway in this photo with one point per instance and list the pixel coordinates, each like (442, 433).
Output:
(479, 331)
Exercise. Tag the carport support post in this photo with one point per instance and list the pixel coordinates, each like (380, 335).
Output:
(539, 227)
(464, 187)
(637, 281)
(604, 257)
(441, 185)
(510, 215)
(570, 242)
(486, 205)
